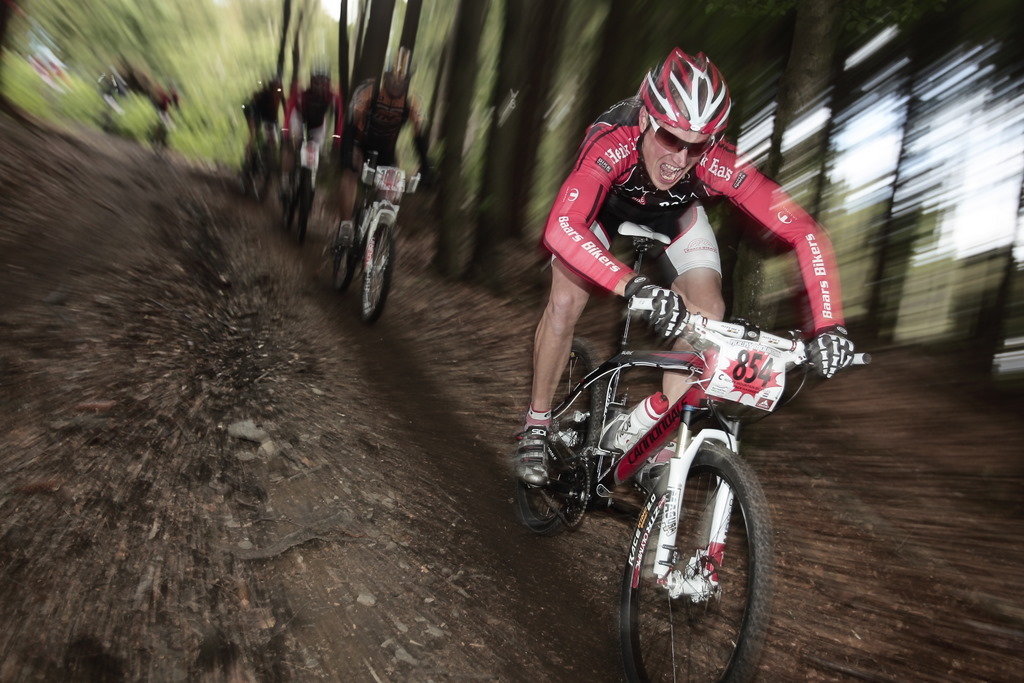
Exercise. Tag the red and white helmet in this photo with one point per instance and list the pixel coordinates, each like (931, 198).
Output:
(687, 92)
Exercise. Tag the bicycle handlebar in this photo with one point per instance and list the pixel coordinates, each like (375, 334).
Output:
(699, 327)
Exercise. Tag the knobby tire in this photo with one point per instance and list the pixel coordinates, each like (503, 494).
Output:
(343, 264)
(305, 201)
(378, 265)
(716, 638)
(291, 203)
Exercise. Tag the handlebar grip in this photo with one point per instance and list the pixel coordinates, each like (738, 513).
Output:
(861, 358)
(640, 304)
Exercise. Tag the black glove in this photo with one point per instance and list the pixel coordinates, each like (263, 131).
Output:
(667, 309)
(830, 351)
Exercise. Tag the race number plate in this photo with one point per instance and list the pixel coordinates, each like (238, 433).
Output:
(390, 179)
(748, 373)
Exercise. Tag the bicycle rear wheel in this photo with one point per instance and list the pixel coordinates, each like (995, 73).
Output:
(713, 629)
(551, 509)
(378, 263)
(305, 201)
(289, 204)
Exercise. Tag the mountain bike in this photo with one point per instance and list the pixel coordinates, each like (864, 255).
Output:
(369, 244)
(302, 188)
(689, 610)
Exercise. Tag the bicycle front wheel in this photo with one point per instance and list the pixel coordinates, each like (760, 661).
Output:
(707, 621)
(378, 262)
(305, 200)
(289, 205)
(343, 259)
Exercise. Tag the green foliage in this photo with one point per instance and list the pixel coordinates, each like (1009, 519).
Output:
(75, 100)
(212, 51)
(24, 87)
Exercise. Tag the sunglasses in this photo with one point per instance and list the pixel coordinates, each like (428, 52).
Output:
(675, 145)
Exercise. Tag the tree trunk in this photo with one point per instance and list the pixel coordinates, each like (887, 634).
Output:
(437, 104)
(532, 106)
(894, 243)
(343, 50)
(284, 37)
(465, 44)
(802, 87)
(373, 52)
(411, 25)
(612, 75)
(531, 29)
(5, 15)
(808, 71)
(364, 10)
(296, 53)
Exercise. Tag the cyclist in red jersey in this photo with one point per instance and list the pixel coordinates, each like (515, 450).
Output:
(652, 159)
(305, 117)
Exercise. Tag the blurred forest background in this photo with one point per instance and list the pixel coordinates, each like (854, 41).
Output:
(899, 124)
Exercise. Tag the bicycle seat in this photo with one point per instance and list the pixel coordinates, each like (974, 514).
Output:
(639, 231)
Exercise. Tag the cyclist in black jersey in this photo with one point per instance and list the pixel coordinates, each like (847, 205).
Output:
(261, 111)
(373, 122)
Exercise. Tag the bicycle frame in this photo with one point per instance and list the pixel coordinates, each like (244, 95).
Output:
(309, 156)
(677, 421)
(384, 187)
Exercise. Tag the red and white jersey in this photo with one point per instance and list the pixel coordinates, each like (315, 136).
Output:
(609, 175)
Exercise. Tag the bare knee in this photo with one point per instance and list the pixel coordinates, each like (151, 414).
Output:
(713, 309)
(701, 290)
(564, 308)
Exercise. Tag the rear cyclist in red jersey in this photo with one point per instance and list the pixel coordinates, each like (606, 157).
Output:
(651, 159)
(306, 117)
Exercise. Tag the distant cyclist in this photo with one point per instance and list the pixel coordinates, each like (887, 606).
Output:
(163, 100)
(305, 118)
(261, 111)
(376, 115)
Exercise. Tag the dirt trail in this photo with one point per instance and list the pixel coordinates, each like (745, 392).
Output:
(361, 529)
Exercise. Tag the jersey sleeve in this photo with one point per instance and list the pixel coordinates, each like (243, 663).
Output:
(567, 232)
(724, 172)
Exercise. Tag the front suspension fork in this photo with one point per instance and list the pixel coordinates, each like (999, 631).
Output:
(667, 555)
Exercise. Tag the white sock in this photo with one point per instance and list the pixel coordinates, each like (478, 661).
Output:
(534, 417)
